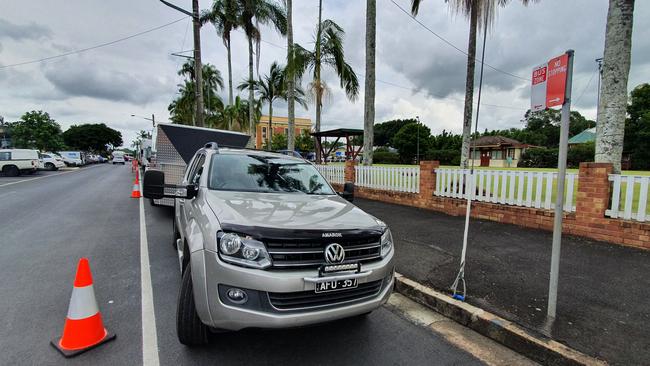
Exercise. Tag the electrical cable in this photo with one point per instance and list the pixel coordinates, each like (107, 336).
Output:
(452, 45)
(91, 47)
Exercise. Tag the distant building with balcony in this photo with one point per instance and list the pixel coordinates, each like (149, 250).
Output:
(280, 125)
(497, 151)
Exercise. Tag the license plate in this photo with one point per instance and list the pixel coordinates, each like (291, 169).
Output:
(336, 285)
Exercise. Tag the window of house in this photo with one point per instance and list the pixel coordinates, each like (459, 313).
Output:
(511, 153)
(264, 132)
(497, 154)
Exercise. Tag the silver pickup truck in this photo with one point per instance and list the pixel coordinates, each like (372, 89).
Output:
(264, 241)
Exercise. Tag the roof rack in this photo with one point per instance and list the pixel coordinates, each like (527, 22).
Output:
(212, 146)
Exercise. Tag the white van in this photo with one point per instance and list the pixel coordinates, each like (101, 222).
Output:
(13, 162)
(118, 157)
(73, 158)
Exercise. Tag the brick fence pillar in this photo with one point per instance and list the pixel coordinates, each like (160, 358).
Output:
(350, 172)
(428, 178)
(593, 191)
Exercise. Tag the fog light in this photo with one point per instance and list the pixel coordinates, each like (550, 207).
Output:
(237, 296)
(250, 253)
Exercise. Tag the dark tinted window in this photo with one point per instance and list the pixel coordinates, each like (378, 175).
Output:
(5, 155)
(255, 173)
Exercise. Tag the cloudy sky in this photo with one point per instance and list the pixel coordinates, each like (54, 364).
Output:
(417, 73)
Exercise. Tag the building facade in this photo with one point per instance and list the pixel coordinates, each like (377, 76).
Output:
(497, 151)
(280, 125)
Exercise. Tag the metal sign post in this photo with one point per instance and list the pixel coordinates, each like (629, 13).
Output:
(557, 67)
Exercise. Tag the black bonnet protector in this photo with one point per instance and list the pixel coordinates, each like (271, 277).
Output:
(325, 236)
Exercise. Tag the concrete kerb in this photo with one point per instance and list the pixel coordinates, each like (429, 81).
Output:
(536, 347)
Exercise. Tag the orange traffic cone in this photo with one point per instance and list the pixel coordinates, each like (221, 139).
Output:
(135, 193)
(83, 329)
(137, 177)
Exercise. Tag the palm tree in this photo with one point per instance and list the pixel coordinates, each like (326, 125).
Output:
(181, 109)
(291, 79)
(224, 16)
(369, 98)
(481, 14)
(271, 88)
(252, 14)
(328, 52)
(613, 97)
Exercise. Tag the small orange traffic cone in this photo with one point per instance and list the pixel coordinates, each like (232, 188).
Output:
(83, 329)
(137, 177)
(135, 193)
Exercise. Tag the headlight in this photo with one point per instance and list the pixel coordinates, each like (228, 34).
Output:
(242, 250)
(386, 242)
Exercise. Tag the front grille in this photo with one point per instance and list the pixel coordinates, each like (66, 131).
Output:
(304, 254)
(311, 299)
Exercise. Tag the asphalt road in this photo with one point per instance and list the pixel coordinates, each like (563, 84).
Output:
(47, 224)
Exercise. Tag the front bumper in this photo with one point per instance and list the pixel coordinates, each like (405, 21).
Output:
(208, 272)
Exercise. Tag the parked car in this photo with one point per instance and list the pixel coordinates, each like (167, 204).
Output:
(128, 157)
(51, 161)
(73, 158)
(14, 162)
(118, 158)
(264, 241)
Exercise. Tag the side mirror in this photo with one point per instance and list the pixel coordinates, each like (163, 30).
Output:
(153, 184)
(348, 191)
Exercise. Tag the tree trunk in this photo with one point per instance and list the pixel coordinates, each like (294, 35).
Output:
(613, 98)
(369, 98)
(469, 90)
(230, 101)
(270, 124)
(319, 91)
(251, 100)
(291, 82)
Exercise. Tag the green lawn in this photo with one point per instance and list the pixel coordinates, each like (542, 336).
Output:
(636, 195)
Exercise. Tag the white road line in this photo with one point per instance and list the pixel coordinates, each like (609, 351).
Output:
(149, 335)
(46, 176)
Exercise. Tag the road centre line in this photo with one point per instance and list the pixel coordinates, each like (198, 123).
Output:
(45, 176)
(149, 334)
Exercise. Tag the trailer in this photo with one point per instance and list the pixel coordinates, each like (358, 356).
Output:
(175, 145)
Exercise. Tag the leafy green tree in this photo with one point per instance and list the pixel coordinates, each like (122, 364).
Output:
(36, 130)
(92, 137)
(406, 141)
(278, 142)
(384, 132)
(304, 142)
(637, 127)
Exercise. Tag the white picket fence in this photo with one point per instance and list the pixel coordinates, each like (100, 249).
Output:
(509, 187)
(625, 189)
(333, 173)
(400, 179)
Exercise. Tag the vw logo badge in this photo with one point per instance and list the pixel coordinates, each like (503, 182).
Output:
(334, 253)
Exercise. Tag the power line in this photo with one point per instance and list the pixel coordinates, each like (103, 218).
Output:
(587, 86)
(452, 45)
(413, 90)
(91, 47)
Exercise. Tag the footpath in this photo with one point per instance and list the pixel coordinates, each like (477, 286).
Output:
(604, 291)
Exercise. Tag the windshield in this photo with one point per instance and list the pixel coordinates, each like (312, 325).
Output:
(255, 173)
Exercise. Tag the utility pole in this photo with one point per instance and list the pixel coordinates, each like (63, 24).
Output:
(417, 157)
(198, 69)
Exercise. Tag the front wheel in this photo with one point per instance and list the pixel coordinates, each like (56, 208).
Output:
(50, 166)
(189, 328)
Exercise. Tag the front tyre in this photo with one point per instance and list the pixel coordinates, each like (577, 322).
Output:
(189, 328)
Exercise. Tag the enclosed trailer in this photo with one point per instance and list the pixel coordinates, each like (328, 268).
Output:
(175, 146)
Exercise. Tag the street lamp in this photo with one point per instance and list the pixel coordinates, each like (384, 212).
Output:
(152, 119)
